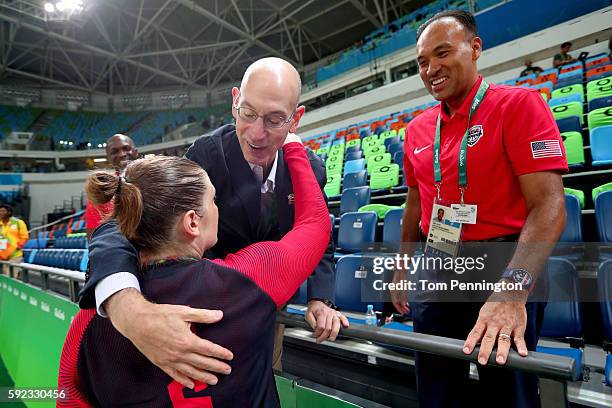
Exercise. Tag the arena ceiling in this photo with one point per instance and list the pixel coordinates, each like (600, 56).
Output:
(126, 46)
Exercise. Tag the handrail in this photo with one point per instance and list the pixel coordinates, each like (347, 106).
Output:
(76, 214)
(543, 365)
(74, 278)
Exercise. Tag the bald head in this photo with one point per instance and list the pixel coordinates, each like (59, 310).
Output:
(274, 72)
(120, 150)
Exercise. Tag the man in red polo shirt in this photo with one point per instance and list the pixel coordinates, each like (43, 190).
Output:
(120, 150)
(496, 151)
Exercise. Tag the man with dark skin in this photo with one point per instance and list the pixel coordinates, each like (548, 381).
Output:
(120, 150)
(518, 180)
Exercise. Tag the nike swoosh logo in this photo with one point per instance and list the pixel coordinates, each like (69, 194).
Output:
(417, 150)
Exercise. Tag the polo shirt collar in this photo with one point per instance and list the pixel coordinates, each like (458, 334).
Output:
(464, 110)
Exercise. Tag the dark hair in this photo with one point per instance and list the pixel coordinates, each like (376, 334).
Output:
(7, 208)
(566, 44)
(149, 199)
(465, 18)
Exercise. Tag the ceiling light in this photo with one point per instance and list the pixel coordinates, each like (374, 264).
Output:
(60, 6)
(49, 7)
(99, 160)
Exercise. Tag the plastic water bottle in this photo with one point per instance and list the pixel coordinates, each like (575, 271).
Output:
(370, 318)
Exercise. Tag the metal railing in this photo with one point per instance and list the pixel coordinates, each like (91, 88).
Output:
(543, 365)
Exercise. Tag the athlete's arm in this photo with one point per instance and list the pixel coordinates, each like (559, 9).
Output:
(279, 268)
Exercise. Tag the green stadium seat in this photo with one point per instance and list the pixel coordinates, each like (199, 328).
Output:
(335, 159)
(385, 177)
(380, 209)
(600, 189)
(568, 90)
(368, 139)
(374, 151)
(332, 187)
(387, 134)
(574, 148)
(334, 168)
(354, 142)
(600, 117)
(378, 161)
(579, 194)
(599, 88)
(335, 149)
(323, 150)
(568, 109)
(402, 133)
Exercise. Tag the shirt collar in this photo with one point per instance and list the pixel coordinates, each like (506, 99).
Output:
(268, 184)
(464, 110)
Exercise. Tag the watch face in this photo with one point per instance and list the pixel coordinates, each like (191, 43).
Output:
(522, 276)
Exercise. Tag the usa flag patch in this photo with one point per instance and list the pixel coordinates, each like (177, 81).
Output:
(545, 148)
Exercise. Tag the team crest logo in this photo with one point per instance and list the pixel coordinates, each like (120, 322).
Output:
(474, 135)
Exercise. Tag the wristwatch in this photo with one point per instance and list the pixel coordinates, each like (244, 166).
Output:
(520, 276)
(326, 302)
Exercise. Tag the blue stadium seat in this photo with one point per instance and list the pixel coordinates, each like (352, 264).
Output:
(354, 284)
(356, 179)
(565, 99)
(353, 155)
(601, 145)
(354, 198)
(392, 228)
(604, 287)
(571, 124)
(572, 233)
(354, 165)
(391, 140)
(602, 102)
(398, 158)
(357, 231)
(603, 216)
(574, 79)
(396, 147)
(563, 314)
(351, 149)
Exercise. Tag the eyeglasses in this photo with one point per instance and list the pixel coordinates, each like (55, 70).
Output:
(274, 120)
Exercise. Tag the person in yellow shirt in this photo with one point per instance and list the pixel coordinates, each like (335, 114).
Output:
(13, 236)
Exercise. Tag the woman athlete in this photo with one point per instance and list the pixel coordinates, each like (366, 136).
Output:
(165, 207)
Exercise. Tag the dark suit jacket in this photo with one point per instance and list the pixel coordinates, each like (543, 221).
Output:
(238, 199)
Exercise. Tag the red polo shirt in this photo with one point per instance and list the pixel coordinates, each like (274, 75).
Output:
(512, 133)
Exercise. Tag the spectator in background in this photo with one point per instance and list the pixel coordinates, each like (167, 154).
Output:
(530, 69)
(564, 57)
(120, 151)
(13, 236)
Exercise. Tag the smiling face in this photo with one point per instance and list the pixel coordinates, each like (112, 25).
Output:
(270, 87)
(447, 55)
(120, 151)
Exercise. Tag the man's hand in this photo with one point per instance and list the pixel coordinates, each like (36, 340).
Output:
(400, 297)
(324, 320)
(163, 334)
(499, 321)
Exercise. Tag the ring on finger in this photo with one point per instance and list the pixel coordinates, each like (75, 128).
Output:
(504, 336)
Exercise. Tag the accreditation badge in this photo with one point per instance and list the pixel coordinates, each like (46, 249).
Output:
(465, 213)
(3, 244)
(444, 234)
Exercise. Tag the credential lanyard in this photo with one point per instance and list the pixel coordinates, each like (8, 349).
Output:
(482, 89)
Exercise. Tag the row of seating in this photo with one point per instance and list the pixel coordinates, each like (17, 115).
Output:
(74, 241)
(358, 221)
(71, 259)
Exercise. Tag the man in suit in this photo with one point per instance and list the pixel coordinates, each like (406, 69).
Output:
(254, 194)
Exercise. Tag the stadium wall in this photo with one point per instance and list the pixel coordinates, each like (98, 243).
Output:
(47, 190)
(34, 326)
